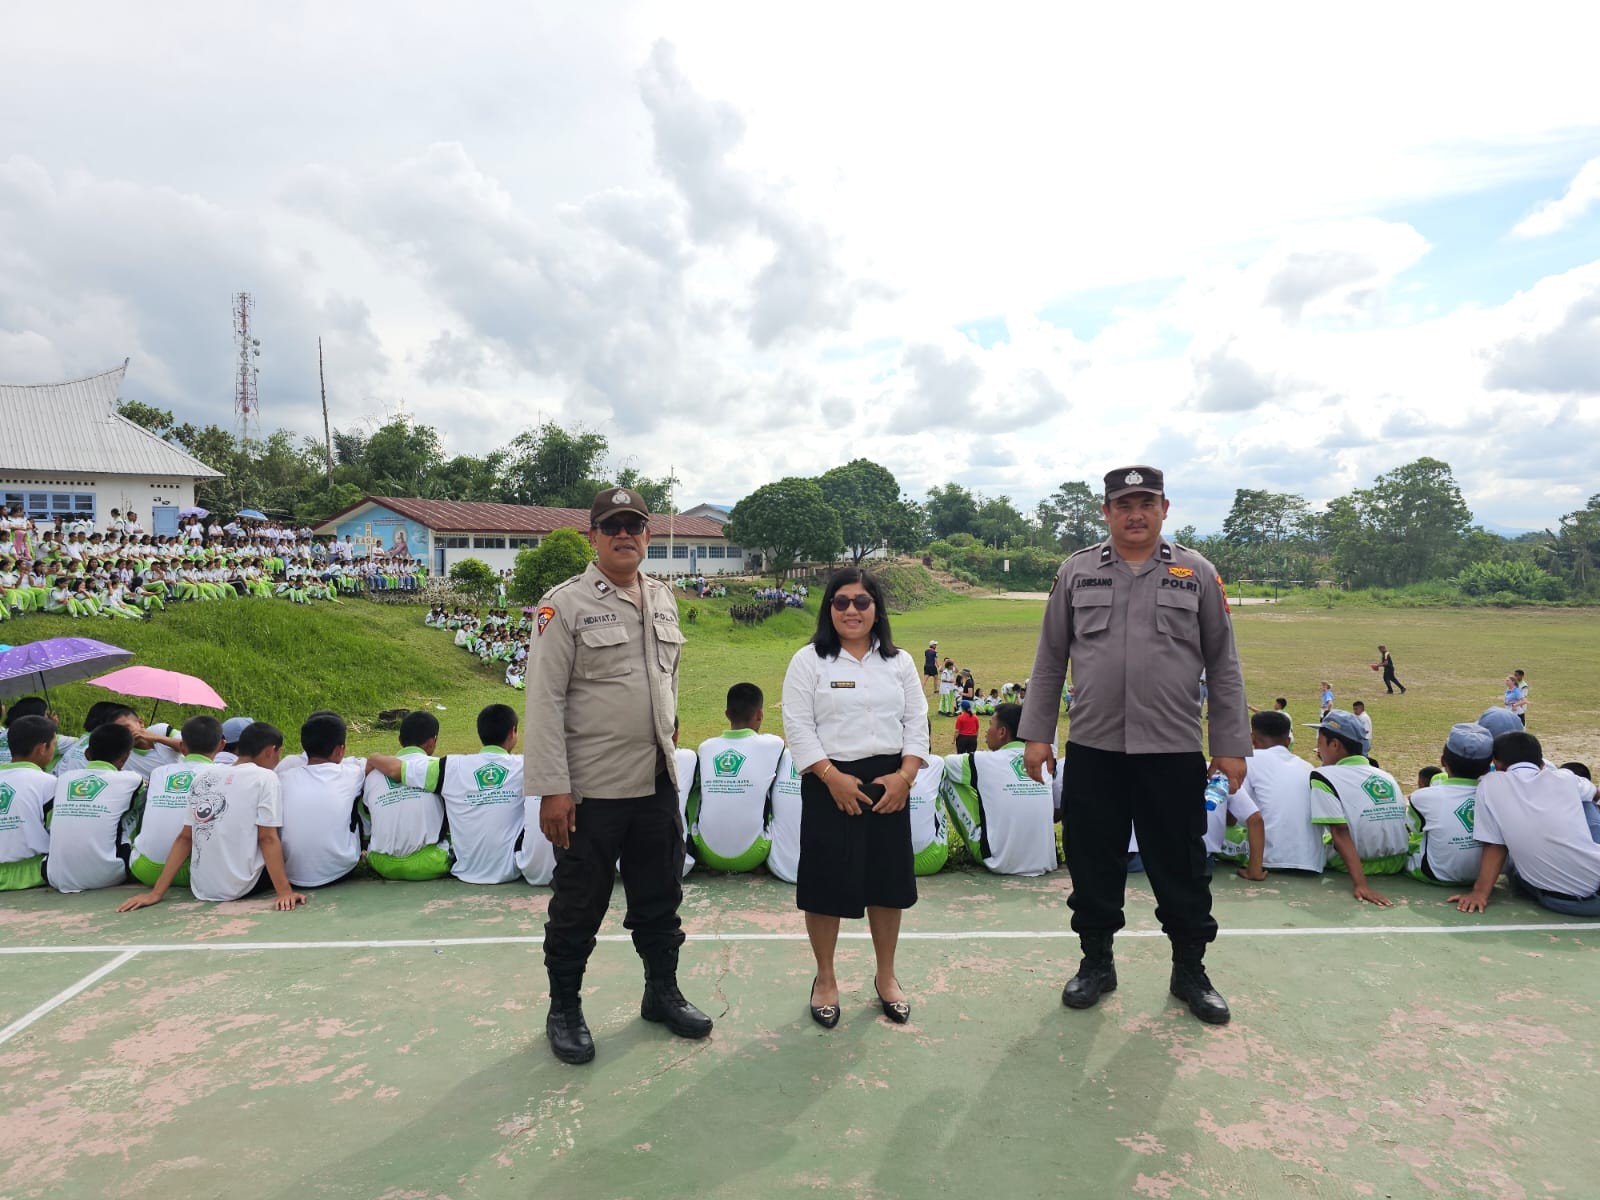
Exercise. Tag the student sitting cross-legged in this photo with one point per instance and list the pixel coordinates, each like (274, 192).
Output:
(27, 792)
(1359, 805)
(1534, 814)
(235, 813)
(1008, 819)
(408, 839)
(166, 801)
(322, 791)
(728, 812)
(1446, 851)
(484, 803)
(87, 846)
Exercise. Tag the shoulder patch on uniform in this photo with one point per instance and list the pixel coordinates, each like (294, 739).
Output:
(1222, 587)
(1054, 579)
(601, 586)
(542, 618)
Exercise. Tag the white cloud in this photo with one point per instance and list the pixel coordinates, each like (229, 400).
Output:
(1582, 194)
(1556, 343)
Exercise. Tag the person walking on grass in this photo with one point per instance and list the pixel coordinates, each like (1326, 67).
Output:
(1385, 664)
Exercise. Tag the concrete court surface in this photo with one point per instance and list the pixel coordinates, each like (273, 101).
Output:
(239, 1052)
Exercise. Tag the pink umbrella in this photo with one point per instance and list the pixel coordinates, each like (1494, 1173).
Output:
(158, 685)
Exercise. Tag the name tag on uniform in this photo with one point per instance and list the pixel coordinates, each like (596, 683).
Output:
(842, 683)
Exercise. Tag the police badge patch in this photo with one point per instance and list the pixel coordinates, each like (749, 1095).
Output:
(543, 619)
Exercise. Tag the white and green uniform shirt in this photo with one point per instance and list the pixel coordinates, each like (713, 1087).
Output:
(483, 799)
(1007, 818)
(321, 827)
(406, 813)
(26, 796)
(783, 826)
(1444, 810)
(930, 835)
(1353, 792)
(86, 829)
(1280, 785)
(536, 857)
(143, 763)
(729, 821)
(226, 804)
(166, 807)
(1229, 841)
(686, 761)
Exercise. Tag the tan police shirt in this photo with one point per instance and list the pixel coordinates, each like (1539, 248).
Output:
(602, 689)
(1137, 636)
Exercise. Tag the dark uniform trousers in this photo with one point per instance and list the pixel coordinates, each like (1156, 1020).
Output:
(645, 833)
(1161, 797)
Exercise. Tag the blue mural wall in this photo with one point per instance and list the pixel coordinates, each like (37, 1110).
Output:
(383, 531)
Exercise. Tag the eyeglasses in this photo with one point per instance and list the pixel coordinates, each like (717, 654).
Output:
(843, 603)
(615, 525)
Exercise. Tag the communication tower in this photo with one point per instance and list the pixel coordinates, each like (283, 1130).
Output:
(246, 401)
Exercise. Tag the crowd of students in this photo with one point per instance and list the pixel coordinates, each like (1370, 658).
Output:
(123, 572)
(496, 637)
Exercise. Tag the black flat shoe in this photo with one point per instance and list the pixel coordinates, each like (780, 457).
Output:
(897, 1011)
(826, 1015)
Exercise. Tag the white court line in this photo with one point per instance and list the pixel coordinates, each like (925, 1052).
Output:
(934, 935)
(60, 998)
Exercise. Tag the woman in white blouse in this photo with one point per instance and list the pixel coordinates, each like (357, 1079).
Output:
(857, 725)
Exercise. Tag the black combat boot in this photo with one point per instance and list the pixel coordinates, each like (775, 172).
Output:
(663, 1002)
(565, 1026)
(1096, 976)
(1191, 984)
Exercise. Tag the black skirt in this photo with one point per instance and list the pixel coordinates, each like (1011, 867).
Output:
(850, 863)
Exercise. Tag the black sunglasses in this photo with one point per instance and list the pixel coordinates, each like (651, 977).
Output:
(843, 603)
(612, 526)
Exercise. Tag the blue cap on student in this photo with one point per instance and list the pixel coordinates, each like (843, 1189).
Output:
(1471, 740)
(1345, 724)
(233, 727)
(1500, 719)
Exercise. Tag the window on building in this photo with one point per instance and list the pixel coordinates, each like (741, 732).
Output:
(488, 543)
(524, 543)
(453, 543)
(735, 552)
(680, 551)
(655, 552)
(47, 506)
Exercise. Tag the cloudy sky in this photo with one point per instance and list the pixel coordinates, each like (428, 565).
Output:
(1285, 247)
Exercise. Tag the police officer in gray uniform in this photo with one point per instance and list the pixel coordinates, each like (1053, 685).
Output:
(1139, 618)
(602, 693)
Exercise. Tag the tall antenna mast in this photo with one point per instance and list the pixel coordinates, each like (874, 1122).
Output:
(246, 405)
(327, 436)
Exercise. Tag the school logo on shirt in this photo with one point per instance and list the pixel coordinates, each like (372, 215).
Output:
(7, 795)
(1465, 812)
(727, 763)
(1380, 789)
(180, 781)
(86, 788)
(490, 776)
(543, 619)
(1019, 768)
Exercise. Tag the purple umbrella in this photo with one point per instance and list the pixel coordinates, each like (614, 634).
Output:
(55, 661)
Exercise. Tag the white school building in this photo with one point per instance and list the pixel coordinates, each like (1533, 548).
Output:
(66, 451)
(443, 532)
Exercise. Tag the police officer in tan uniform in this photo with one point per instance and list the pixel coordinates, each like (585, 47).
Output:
(1139, 618)
(602, 694)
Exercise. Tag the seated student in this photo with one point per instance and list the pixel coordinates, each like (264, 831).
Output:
(1445, 851)
(87, 847)
(231, 729)
(1534, 815)
(235, 813)
(687, 762)
(966, 729)
(1426, 775)
(1358, 805)
(1278, 784)
(728, 812)
(1008, 819)
(484, 802)
(930, 832)
(26, 706)
(322, 791)
(1246, 838)
(407, 839)
(166, 801)
(27, 792)
(783, 822)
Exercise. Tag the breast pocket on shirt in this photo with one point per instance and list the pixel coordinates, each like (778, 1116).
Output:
(604, 652)
(1091, 611)
(1178, 613)
(669, 645)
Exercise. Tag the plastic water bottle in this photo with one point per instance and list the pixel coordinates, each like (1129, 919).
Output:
(1217, 792)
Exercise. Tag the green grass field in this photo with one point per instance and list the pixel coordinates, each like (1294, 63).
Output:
(277, 662)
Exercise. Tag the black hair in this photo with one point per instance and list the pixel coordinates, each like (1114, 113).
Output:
(28, 706)
(1273, 724)
(1426, 775)
(1351, 749)
(495, 724)
(826, 639)
(259, 736)
(110, 742)
(1009, 715)
(1518, 746)
(1358, 704)
(1281, 701)
(100, 712)
(1578, 769)
(1465, 768)
(322, 734)
(27, 733)
(201, 735)
(743, 701)
(417, 727)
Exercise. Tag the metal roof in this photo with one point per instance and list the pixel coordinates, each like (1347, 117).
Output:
(464, 516)
(75, 426)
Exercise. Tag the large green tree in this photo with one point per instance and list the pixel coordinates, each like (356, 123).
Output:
(401, 457)
(789, 521)
(951, 510)
(559, 556)
(552, 466)
(998, 523)
(866, 496)
(1071, 516)
(1403, 529)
